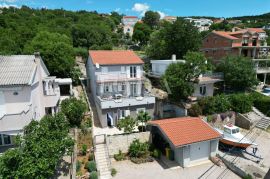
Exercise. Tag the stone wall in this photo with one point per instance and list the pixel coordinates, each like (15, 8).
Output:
(243, 122)
(123, 141)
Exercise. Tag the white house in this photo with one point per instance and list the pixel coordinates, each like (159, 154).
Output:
(129, 23)
(116, 82)
(27, 92)
(202, 24)
(205, 85)
(190, 140)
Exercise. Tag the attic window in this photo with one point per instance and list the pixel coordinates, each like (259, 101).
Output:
(15, 93)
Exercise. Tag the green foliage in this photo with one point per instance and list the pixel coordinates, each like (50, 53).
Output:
(120, 156)
(143, 117)
(241, 103)
(40, 149)
(141, 33)
(239, 73)
(56, 50)
(74, 110)
(91, 166)
(223, 26)
(156, 153)
(75, 74)
(94, 175)
(91, 157)
(138, 149)
(174, 38)
(78, 166)
(261, 102)
(128, 124)
(151, 18)
(113, 172)
(84, 149)
(195, 110)
(247, 177)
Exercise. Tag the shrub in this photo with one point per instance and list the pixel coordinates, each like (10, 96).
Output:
(88, 122)
(141, 160)
(261, 102)
(195, 110)
(113, 172)
(91, 166)
(156, 153)
(128, 124)
(78, 165)
(138, 149)
(84, 149)
(241, 103)
(120, 156)
(94, 175)
(91, 157)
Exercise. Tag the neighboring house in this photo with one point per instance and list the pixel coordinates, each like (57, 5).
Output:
(129, 23)
(202, 24)
(250, 42)
(116, 82)
(266, 27)
(204, 86)
(171, 19)
(27, 92)
(190, 139)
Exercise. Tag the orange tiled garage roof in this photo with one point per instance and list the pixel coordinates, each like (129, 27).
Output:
(186, 130)
(114, 57)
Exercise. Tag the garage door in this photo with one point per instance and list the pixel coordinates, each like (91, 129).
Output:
(199, 152)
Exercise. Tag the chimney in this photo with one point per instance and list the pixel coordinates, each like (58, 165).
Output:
(37, 56)
(174, 57)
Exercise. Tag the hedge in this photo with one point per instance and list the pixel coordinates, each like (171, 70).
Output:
(261, 102)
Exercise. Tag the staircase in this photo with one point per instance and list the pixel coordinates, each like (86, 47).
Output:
(264, 123)
(102, 157)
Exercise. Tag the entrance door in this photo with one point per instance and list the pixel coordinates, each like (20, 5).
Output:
(110, 121)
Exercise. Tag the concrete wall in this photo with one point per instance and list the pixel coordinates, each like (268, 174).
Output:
(123, 141)
(243, 122)
(209, 90)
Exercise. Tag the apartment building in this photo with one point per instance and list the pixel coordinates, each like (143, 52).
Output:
(115, 79)
(202, 24)
(128, 23)
(250, 42)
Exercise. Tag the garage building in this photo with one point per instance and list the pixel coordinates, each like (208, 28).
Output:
(190, 139)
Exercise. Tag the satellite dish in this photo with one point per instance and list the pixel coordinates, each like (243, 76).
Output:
(97, 65)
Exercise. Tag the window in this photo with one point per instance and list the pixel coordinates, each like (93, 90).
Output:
(227, 130)
(140, 109)
(106, 88)
(121, 114)
(234, 131)
(203, 90)
(133, 72)
(123, 87)
(15, 93)
(1, 142)
(7, 139)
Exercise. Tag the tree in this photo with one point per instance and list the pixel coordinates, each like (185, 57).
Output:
(39, 150)
(174, 38)
(151, 18)
(56, 51)
(127, 124)
(239, 73)
(143, 117)
(141, 33)
(74, 110)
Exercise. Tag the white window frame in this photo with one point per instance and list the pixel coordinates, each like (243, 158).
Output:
(2, 136)
(203, 90)
(133, 71)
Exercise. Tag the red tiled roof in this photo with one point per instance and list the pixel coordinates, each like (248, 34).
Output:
(130, 17)
(258, 30)
(225, 34)
(186, 130)
(114, 57)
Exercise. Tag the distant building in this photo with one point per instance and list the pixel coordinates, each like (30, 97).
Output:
(250, 42)
(129, 23)
(202, 24)
(27, 92)
(266, 27)
(170, 18)
(116, 82)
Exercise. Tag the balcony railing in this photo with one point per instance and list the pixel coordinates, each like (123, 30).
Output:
(213, 75)
(262, 70)
(112, 77)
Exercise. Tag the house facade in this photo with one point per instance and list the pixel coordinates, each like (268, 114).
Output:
(115, 79)
(129, 23)
(27, 92)
(202, 24)
(250, 42)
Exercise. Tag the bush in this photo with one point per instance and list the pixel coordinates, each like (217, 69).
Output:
(84, 149)
(138, 149)
(195, 110)
(74, 110)
(91, 166)
(93, 175)
(88, 122)
(141, 160)
(241, 103)
(91, 157)
(156, 153)
(78, 165)
(261, 102)
(120, 156)
(113, 172)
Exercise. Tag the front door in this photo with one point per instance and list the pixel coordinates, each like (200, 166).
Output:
(110, 121)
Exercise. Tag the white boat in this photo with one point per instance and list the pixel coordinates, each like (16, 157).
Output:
(232, 137)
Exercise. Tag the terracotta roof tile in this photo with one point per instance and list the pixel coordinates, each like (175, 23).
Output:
(186, 130)
(114, 57)
(258, 30)
(225, 34)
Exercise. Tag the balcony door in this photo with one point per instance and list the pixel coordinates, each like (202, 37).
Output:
(133, 72)
(133, 89)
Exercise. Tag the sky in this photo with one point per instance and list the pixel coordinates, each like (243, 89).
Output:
(216, 8)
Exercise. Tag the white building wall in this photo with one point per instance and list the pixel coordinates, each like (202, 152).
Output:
(209, 90)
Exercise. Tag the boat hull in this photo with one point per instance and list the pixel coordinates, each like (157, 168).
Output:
(235, 144)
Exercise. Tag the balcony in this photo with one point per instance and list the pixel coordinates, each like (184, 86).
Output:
(211, 78)
(262, 70)
(114, 77)
(118, 101)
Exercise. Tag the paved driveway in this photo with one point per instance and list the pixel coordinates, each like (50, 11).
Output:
(155, 170)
